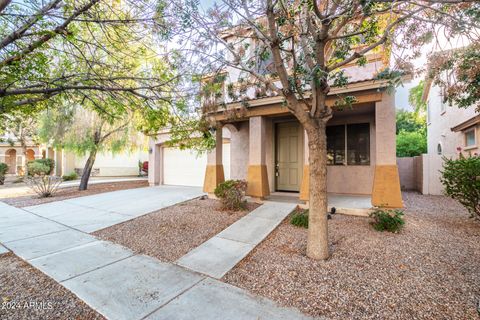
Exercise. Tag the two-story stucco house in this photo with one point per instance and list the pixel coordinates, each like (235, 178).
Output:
(450, 130)
(268, 146)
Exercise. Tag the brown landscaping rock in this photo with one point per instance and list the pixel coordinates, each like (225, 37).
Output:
(26, 293)
(430, 270)
(73, 192)
(171, 232)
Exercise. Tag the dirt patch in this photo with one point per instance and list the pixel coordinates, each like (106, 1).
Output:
(26, 293)
(170, 233)
(430, 270)
(73, 192)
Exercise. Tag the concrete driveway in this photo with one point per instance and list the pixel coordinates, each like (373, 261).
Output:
(95, 212)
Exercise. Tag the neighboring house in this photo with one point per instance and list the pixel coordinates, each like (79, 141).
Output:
(106, 164)
(450, 130)
(11, 153)
(268, 146)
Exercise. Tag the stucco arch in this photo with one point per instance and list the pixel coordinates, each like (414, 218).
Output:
(11, 160)
(30, 156)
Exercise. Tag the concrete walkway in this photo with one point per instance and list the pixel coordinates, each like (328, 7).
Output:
(98, 211)
(122, 285)
(21, 189)
(218, 255)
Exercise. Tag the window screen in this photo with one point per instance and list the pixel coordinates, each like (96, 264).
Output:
(358, 144)
(336, 145)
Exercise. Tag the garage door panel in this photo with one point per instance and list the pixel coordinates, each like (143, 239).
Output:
(185, 168)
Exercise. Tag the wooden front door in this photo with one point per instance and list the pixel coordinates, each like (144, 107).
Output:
(288, 156)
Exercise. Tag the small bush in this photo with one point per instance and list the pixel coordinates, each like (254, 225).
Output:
(461, 179)
(70, 177)
(3, 172)
(232, 194)
(387, 220)
(300, 218)
(44, 186)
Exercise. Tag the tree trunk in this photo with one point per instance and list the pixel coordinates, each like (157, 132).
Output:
(317, 244)
(87, 170)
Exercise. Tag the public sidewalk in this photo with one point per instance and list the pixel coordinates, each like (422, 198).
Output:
(120, 284)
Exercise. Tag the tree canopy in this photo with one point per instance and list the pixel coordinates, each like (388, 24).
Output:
(102, 52)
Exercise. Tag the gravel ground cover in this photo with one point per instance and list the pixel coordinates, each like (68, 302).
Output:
(170, 233)
(72, 192)
(26, 293)
(430, 270)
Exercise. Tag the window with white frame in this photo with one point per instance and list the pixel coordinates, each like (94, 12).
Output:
(470, 140)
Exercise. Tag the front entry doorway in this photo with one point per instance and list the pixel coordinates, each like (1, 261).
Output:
(288, 156)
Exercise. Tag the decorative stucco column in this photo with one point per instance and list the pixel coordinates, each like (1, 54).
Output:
(58, 156)
(214, 173)
(257, 177)
(386, 184)
(304, 188)
(155, 163)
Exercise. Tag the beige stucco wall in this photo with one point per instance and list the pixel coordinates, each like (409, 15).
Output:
(119, 164)
(439, 125)
(239, 151)
(20, 159)
(418, 162)
(432, 164)
(407, 173)
(341, 179)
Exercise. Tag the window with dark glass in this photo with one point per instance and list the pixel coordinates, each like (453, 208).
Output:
(358, 144)
(336, 145)
(348, 144)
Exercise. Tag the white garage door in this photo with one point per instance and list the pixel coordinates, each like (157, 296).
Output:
(185, 168)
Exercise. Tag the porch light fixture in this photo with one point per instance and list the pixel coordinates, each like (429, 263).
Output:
(212, 130)
(150, 150)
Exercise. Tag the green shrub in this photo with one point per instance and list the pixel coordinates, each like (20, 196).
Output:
(232, 194)
(40, 167)
(387, 220)
(70, 177)
(411, 144)
(3, 172)
(300, 218)
(461, 179)
(37, 169)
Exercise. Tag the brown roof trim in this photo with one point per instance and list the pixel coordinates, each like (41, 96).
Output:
(426, 88)
(467, 124)
(352, 87)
